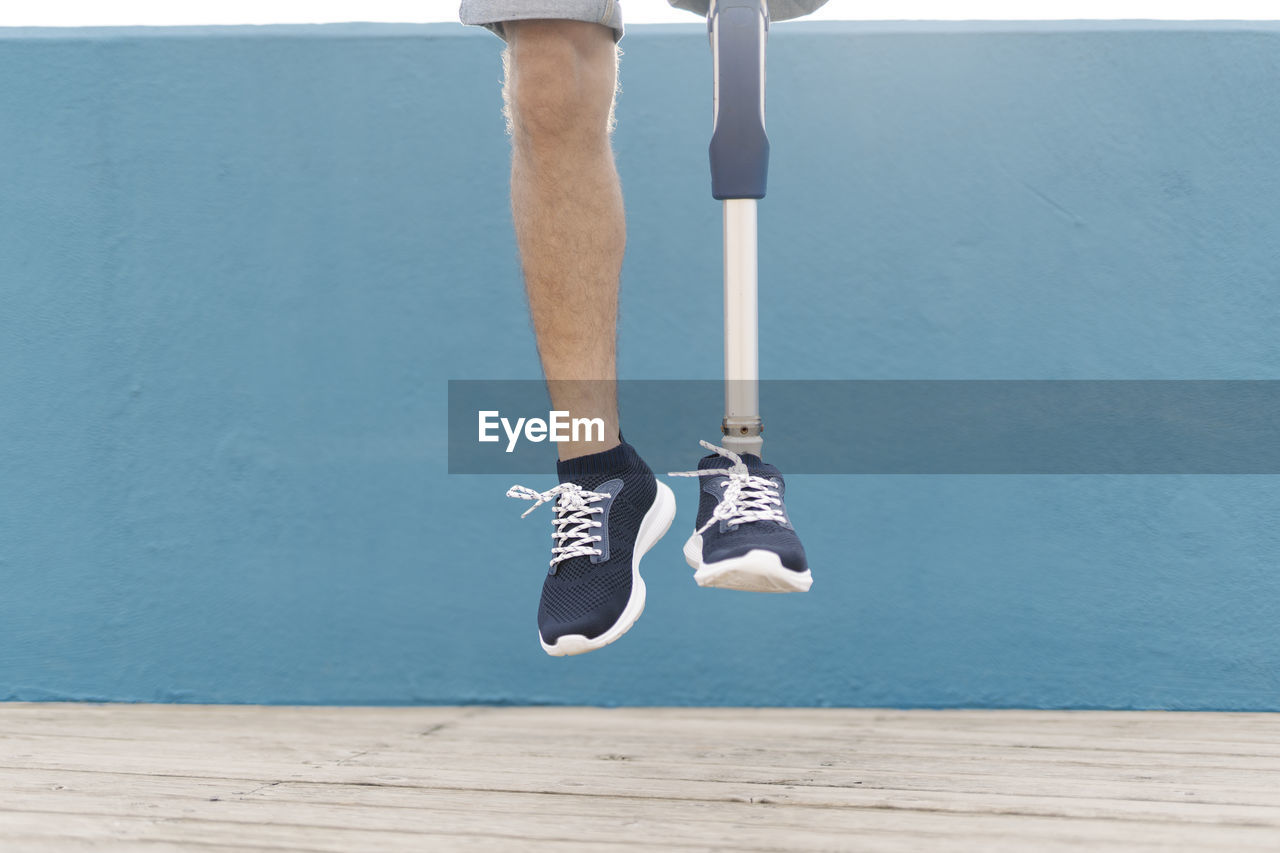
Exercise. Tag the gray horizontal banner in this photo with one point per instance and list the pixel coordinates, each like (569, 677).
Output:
(900, 426)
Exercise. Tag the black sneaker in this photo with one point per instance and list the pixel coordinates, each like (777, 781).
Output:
(743, 538)
(609, 511)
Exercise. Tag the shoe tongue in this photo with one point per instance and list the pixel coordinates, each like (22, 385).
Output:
(754, 463)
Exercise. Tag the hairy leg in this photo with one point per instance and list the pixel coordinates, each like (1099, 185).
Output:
(567, 204)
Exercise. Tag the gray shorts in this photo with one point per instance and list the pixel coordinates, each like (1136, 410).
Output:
(491, 13)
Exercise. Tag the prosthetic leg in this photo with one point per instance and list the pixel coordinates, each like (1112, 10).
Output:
(742, 537)
(739, 169)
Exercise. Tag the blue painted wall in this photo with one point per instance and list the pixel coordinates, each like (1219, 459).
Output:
(237, 267)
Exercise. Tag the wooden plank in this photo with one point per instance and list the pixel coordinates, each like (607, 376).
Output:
(1092, 722)
(18, 840)
(112, 784)
(665, 825)
(1158, 731)
(45, 833)
(440, 739)
(514, 771)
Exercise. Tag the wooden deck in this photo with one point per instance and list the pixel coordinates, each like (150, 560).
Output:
(165, 777)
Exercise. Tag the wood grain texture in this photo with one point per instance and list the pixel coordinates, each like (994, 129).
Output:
(181, 777)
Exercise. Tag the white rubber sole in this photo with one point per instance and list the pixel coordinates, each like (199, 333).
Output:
(653, 527)
(755, 571)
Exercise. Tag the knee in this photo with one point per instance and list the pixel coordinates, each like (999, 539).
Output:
(560, 80)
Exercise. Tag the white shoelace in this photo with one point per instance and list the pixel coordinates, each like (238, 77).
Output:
(746, 497)
(573, 522)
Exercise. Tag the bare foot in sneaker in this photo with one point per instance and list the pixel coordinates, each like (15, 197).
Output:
(609, 510)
